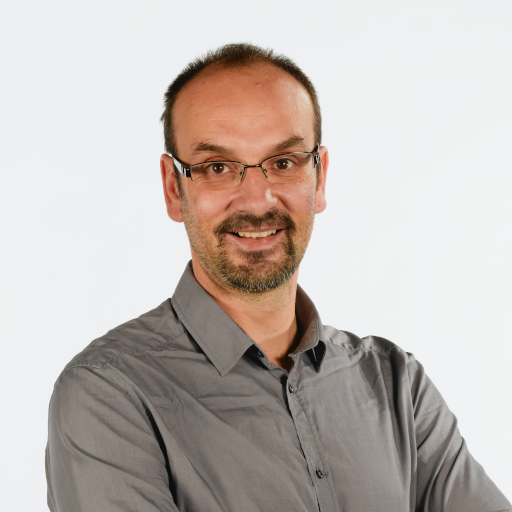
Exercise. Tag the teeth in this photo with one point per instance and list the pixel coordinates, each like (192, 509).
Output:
(260, 234)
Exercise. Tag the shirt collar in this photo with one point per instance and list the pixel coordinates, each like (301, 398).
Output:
(313, 338)
(221, 338)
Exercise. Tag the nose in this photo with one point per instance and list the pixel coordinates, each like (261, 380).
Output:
(254, 194)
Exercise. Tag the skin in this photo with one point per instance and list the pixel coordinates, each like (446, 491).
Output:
(248, 112)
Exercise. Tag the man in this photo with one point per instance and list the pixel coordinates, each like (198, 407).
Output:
(232, 395)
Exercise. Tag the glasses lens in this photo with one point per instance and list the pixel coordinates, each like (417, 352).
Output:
(216, 175)
(289, 167)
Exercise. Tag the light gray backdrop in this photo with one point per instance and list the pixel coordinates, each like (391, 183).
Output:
(415, 244)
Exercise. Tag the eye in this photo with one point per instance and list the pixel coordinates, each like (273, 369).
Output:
(218, 168)
(283, 164)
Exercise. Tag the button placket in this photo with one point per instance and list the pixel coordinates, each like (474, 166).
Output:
(311, 451)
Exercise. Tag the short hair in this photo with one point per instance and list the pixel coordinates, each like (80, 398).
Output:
(232, 56)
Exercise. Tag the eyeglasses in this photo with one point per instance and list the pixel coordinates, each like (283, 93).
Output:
(285, 168)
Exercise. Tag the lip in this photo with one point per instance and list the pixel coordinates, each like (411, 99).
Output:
(256, 244)
(259, 230)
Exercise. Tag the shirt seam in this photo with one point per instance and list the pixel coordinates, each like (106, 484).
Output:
(371, 349)
(119, 379)
(116, 378)
(102, 363)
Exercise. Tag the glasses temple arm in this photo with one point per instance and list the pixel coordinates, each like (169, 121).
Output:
(184, 169)
(316, 155)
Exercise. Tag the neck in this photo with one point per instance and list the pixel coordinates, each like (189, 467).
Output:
(267, 317)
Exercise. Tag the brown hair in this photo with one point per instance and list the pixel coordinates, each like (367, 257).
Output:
(234, 55)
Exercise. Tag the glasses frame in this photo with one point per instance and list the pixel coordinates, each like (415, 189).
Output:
(186, 168)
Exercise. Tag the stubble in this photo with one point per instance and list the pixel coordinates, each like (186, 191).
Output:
(255, 271)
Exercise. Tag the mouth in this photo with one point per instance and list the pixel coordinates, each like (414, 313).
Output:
(255, 234)
(250, 232)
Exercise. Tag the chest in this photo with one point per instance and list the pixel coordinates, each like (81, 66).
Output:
(338, 443)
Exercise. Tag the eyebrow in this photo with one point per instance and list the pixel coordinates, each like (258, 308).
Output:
(207, 147)
(292, 142)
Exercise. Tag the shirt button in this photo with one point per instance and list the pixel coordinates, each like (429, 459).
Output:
(260, 353)
(290, 389)
(319, 473)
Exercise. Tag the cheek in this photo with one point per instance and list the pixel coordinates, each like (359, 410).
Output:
(209, 208)
(299, 197)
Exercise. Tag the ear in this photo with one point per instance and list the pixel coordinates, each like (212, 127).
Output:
(172, 197)
(321, 203)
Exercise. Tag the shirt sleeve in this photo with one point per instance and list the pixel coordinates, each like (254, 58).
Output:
(103, 452)
(449, 479)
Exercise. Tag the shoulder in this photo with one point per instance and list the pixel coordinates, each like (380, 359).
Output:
(375, 354)
(377, 345)
(149, 331)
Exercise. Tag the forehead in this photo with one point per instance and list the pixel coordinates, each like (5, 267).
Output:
(244, 103)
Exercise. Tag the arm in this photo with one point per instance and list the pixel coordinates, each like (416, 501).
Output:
(449, 479)
(104, 452)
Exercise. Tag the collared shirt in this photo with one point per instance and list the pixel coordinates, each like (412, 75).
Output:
(180, 410)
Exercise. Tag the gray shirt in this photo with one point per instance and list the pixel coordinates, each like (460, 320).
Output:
(181, 410)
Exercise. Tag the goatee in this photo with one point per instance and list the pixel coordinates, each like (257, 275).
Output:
(257, 273)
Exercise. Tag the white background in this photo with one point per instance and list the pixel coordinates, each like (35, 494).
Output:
(415, 244)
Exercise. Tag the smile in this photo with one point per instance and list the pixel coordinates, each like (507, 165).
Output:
(255, 234)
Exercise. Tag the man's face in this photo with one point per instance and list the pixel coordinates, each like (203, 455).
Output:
(247, 115)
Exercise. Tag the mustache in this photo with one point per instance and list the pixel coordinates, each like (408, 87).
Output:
(240, 221)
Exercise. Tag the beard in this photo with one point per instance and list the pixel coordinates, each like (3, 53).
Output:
(257, 271)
